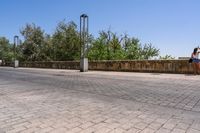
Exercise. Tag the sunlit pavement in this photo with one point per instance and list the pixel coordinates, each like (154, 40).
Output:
(62, 101)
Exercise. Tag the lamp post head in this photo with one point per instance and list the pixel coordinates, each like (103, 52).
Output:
(84, 16)
(16, 36)
(16, 40)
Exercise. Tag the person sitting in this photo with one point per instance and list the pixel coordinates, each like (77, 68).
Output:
(195, 60)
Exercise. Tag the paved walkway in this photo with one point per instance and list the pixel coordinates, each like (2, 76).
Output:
(67, 101)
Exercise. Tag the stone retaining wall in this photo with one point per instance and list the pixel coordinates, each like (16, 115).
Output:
(52, 64)
(161, 66)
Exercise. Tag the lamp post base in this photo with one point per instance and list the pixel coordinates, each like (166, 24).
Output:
(16, 63)
(84, 65)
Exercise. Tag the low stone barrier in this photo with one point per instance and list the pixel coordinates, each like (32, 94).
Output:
(51, 64)
(158, 66)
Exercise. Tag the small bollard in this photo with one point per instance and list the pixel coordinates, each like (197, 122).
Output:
(16, 63)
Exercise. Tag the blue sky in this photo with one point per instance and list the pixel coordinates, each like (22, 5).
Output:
(173, 26)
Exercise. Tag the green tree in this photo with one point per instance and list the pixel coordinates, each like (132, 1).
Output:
(166, 57)
(48, 48)
(149, 51)
(97, 51)
(65, 42)
(64, 45)
(105, 37)
(132, 48)
(6, 52)
(106, 47)
(117, 52)
(34, 43)
(109, 46)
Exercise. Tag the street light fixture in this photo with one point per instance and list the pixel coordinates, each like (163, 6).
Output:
(84, 24)
(16, 42)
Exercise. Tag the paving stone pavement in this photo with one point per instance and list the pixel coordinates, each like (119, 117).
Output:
(67, 101)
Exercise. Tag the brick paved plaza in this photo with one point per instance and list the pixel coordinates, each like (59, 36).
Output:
(67, 101)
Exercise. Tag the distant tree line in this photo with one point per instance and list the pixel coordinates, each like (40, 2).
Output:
(64, 45)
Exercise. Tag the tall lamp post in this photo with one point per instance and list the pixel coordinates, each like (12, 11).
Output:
(84, 23)
(16, 41)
